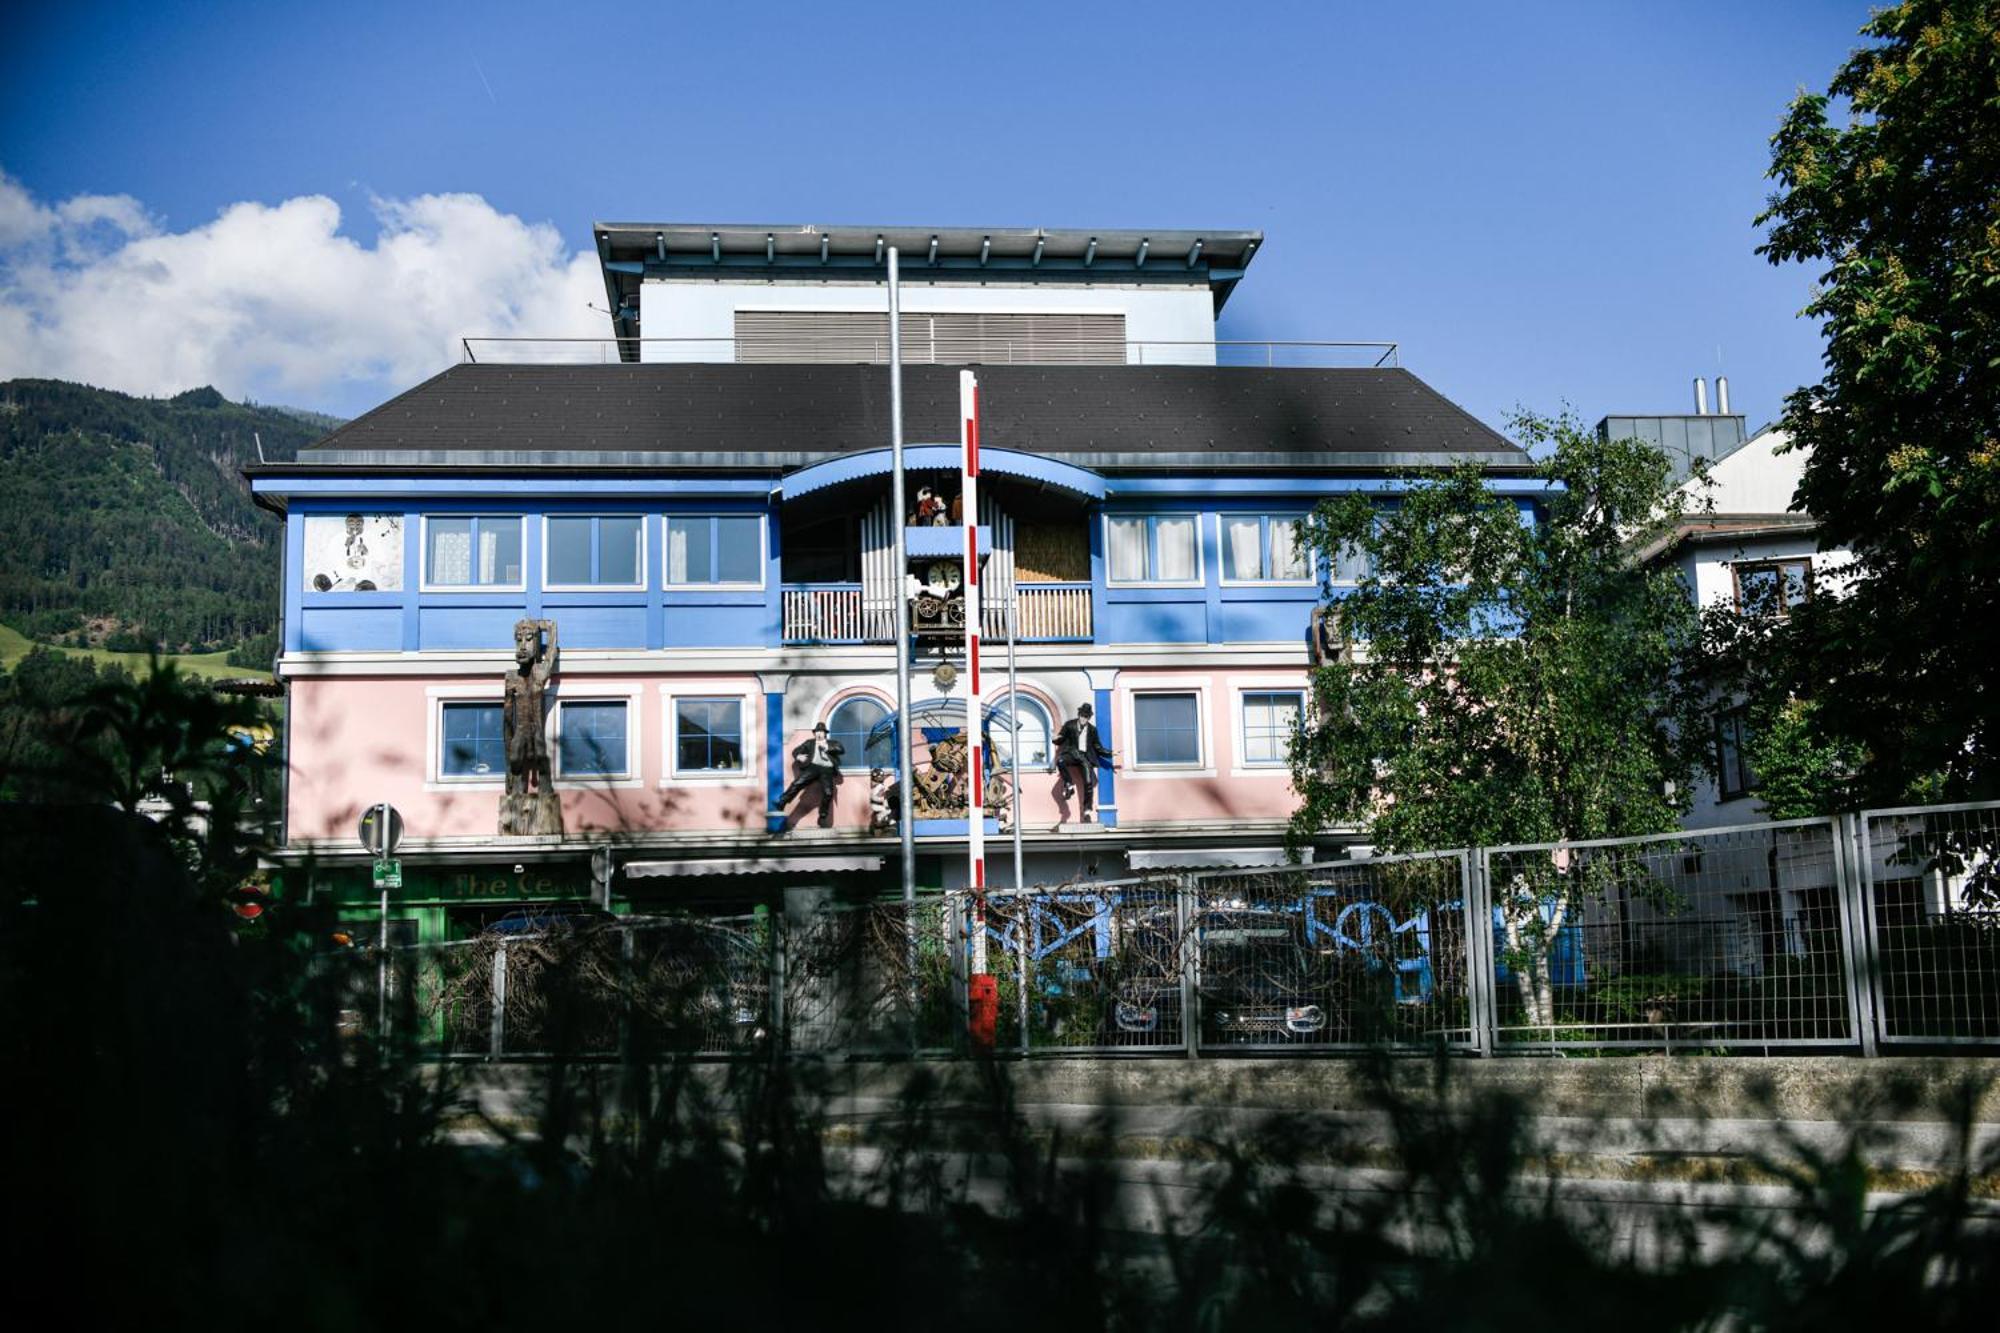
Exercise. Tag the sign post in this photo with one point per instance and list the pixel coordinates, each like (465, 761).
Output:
(381, 833)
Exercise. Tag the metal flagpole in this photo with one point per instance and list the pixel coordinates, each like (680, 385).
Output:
(975, 751)
(905, 821)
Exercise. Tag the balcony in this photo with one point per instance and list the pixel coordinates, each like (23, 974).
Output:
(834, 613)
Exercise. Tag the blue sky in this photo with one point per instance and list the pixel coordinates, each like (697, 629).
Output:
(1542, 202)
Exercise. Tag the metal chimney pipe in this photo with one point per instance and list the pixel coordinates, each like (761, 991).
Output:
(1700, 396)
(1722, 394)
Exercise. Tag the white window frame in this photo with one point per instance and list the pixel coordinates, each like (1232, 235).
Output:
(887, 706)
(763, 552)
(424, 583)
(585, 693)
(640, 586)
(1265, 517)
(1126, 742)
(752, 772)
(1049, 710)
(1150, 517)
(435, 698)
(1241, 767)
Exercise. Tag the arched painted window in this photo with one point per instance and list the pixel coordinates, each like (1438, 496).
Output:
(1031, 721)
(859, 724)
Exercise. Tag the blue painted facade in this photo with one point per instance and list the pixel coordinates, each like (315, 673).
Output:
(1208, 610)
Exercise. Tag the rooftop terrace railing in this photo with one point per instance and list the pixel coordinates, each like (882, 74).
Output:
(1039, 350)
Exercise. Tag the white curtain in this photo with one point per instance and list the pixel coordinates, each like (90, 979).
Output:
(1245, 554)
(1128, 550)
(451, 553)
(677, 552)
(1177, 560)
(490, 555)
(1288, 561)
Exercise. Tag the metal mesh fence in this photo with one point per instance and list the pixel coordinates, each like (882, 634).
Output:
(1088, 967)
(848, 984)
(1370, 953)
(1825, 932)
(1932, 904)
(1727, 938)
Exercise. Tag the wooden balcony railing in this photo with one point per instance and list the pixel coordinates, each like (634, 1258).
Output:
(1049, 612)
(836, 613)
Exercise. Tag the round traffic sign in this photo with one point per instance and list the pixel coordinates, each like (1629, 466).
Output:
(381, 836)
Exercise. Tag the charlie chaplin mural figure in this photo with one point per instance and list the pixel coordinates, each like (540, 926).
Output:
(819, 762)
(1079, 751)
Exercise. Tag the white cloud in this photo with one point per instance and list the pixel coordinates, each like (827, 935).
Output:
(272, 301)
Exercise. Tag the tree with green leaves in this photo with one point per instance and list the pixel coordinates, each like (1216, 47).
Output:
(1512, 677)
(1891, 181)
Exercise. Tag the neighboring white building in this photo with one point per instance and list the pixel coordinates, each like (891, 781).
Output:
(1742, 546)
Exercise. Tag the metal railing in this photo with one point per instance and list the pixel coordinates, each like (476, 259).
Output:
(1856, 932)
(840, 613)
(1042, 350)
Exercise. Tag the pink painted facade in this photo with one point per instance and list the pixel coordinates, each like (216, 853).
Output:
(357, 740)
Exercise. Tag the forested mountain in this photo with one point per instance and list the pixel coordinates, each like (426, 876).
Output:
(126, 523)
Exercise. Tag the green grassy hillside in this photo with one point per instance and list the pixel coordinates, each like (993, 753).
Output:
(15, 645)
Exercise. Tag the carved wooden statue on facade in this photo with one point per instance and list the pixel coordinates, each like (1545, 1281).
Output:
(530, 807)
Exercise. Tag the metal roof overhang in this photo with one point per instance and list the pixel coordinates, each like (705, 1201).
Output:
(1192, 858)
(630, 252)
(751, 865)
(1005, 462)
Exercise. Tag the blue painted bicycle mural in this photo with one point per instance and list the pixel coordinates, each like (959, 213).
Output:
(1320, 956)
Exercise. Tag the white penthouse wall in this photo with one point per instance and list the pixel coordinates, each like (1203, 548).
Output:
(1164, 325)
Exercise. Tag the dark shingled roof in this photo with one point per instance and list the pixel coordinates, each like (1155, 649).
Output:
(1120, 416)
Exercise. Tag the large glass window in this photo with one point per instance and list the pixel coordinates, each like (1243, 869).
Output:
(1020, 715)
(716, 549)
(708, 735)
(1264, 548)
(473, 551)
(1166, 730)
(1734, 776)
(591, 739)
(857, 725)
(475, 745)
(1773, 588)
(1269, 719)
(1153, 548)
(593, 550)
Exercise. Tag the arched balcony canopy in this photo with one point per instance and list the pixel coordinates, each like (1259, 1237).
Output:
(1080, 482)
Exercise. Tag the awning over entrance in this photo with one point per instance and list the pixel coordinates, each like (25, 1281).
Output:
(917, 457)
(751, 865)
(1201, 858)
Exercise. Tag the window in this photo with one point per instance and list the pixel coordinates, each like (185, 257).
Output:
(708, 735)
(716, 550)
(1019, 714)
(591, 739)
(1734, 776)
(1772, 588)
(472, 551)
(593, 551)
(1153, 548)
(1166, 730)
(475, 745)
(1264, 548)
(1269, 719)
(857, 725)
(353, 552)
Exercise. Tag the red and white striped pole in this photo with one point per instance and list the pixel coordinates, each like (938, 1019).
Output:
(975, 753)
